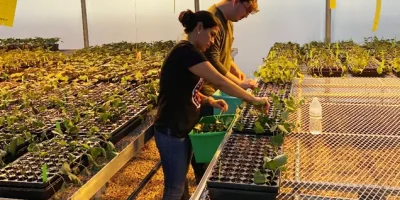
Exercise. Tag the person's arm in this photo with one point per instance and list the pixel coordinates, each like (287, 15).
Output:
(204, 99)
(220, 104)
(213, 56)
(209, 73)
(236, 71)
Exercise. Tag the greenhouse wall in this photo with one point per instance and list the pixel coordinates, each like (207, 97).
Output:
(353, 20)
(127, 20)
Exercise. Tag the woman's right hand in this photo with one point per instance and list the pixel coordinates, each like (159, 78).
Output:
(261, 103)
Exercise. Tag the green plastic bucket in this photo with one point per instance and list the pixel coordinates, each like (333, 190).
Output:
(232, 102)
(206, 144)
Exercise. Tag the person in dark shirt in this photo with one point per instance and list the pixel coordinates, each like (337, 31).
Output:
(182, 75)
(219, 55)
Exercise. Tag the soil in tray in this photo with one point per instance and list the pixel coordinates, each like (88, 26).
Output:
(327, 72)
(241, 156)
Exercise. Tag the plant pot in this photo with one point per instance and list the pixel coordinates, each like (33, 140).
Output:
(206, 144)
(232, 175)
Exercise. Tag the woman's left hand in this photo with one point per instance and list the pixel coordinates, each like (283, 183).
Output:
(221, 104)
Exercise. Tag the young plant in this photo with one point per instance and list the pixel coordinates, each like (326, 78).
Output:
(220, 124)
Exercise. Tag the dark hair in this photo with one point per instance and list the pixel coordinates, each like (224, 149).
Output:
(189, 19)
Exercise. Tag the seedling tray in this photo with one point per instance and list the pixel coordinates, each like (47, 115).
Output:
(23, 178)
(248, 121)
(232, 175)
(265, 89)
(6, 138)
(368, 72)
(396, 73)
(126, 127)
(327, 72)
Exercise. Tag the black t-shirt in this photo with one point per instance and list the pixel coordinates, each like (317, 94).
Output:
(178, 101)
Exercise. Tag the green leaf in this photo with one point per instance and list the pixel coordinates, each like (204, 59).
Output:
(44, 173)
(86, 146)
(273, 128)
(259, 178)
(33, 147)
(58, 127)
(277, 140)
(110, 146)
(20, 140)
(284, 115)
(74, 179)
(91, 160)
(258, 128)
(43, 154)
(239, 126)
(379, 70)
(97, 151)
(280, 160)
(269, 163)
(65, 169)
(282, 128)
(12, 147)
(111, 154)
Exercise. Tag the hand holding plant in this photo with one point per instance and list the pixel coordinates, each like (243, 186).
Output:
(220, 104)
(261, 104)
(249, 83)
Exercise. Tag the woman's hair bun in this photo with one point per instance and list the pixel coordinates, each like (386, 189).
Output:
(185, 17)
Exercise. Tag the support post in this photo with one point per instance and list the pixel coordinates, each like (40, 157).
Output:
(85, 24)
(196, 5)
(328, 22)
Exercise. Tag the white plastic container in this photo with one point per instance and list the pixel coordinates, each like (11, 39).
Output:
(315, 113)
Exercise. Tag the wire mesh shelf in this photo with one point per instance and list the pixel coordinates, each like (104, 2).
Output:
(341, 166)
(354, 118)
(374, 82)
(358, 154)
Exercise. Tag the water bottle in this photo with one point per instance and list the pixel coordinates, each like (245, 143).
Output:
(315, 116)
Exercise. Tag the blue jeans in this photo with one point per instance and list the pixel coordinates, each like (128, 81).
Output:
(175, 154)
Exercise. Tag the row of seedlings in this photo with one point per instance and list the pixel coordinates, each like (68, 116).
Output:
(375, 58)
(252, 159)
(30, 43)
(80, 107)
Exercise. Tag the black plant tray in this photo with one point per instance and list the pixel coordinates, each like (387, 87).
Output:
(265, 89)
(396, 73)
(232, 175)
(22, 148)
(369, 72)
(249, 120)
(127, 127)
(327, 72)
(23, 178)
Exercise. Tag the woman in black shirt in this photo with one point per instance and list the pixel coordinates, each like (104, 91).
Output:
(182, 75)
